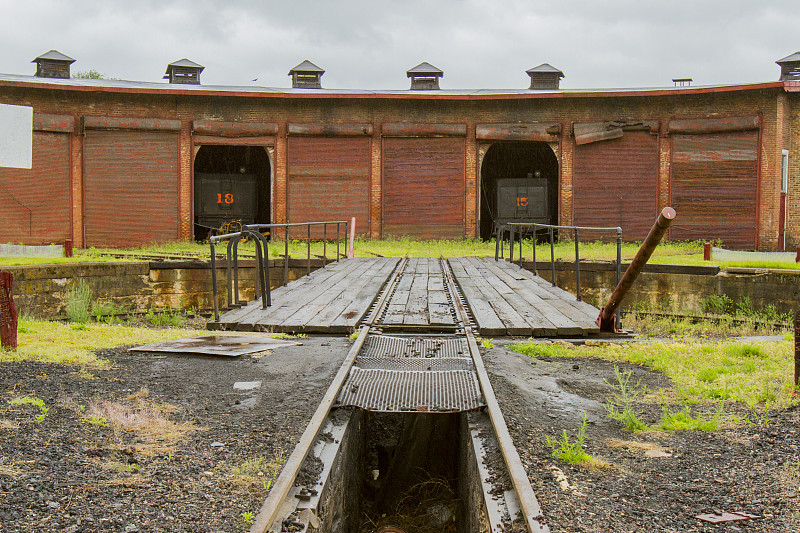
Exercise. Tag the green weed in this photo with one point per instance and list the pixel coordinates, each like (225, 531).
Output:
(167, 317)
(683, 420)
(32, 400)
(248, 518)
(620, 407)
(487, 343)
(538, 349)
(78, 303)
(97, 420)
(288, 336)
(570, 452)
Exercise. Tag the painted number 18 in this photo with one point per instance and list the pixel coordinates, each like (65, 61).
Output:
(228, 198)
(522, 202)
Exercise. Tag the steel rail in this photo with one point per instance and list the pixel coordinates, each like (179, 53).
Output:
(530, 507)
(272, 506)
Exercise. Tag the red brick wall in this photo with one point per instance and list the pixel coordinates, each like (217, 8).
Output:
(781, 129)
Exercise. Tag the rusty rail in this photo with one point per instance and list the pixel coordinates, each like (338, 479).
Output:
(608, 312)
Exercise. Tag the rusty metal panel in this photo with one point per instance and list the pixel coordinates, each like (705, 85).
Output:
(423, 188)
(346, 130)
(54, 123)
(422, 347)
(328, 180)
(714, 188)
(616, 183)
(411, 391)
(234, 129)
(130, 187)
(413, 129)
(547, 132)
(119, 123)
(36, 202)
(713, 125)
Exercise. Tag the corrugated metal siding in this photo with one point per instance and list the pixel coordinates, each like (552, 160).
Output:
(423, 187)
(714, 188)
(616, 183)
(130, 187)
(35, 203)
(328, 180)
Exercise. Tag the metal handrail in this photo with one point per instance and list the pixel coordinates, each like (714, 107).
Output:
(255, 231)
(518, 227)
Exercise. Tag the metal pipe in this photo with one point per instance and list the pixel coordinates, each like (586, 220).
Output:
(534, 251)
(552, 258)
(577, 265)
(264, 271)
(619, 266)
(259, 271)
(229, 277)
(285, 255)
(497, 243)
(511, 245)
(520, 246)
(214, 280)
(308, 247)
(662, 223)
(324, 244)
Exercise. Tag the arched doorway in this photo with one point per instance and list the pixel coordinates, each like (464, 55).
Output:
(231, 183)
(519, 181)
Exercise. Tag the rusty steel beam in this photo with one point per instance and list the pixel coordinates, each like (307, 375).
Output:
(410, 129)
(55, 123)
(234, 129)
(135, 123)
(606, 318)
(534, 131)
(713, 125)
(338, 130)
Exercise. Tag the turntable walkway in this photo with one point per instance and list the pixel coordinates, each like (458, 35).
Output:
(503, 299)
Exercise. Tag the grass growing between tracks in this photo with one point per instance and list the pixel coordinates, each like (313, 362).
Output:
(755, 374)
(61, 342)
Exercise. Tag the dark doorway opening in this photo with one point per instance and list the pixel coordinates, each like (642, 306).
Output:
(231, 187)
(519, 181)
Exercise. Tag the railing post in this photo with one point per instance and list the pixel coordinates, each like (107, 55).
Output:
(338, 238)
(497, 242)
(619, 269)
(577, 265)
(520, 245)
(797, 349)
(229, 274)
(308, 247)
(552, 258)
(324, 244)
(534, 250)
(214, 280)
(511, 244)
(285, 254)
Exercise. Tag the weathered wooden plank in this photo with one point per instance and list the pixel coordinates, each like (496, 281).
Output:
(358, 308)
(416, 312)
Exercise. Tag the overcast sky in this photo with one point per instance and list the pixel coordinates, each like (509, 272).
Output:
(369, 44)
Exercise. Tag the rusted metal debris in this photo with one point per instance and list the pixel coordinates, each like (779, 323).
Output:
(8, 312)
(230, 345)
(726, 517)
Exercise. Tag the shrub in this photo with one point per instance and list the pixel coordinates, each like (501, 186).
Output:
(79, 302)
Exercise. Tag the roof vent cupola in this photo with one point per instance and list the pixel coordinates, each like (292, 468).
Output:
(790, 67)
(545, 76)
(53, 64)
(424, 77)
(184, 71)
(306, 75)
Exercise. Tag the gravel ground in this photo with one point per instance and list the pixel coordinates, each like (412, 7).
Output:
(656, 481)
(64, 474)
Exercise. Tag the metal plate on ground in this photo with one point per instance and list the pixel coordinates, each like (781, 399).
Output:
(425, 347)
(230, 345)
(410, 391)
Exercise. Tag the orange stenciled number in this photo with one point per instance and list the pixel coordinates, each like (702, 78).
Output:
(228, 198)
(522, 202)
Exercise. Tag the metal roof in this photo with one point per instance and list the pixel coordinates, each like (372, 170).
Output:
(545, 67)
(54, 55)
(82, 84)
(306, 66)
(790, 59)
(185, 63)
(424, 68)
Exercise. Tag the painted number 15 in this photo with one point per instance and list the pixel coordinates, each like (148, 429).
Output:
(522, 202)
(227, 199)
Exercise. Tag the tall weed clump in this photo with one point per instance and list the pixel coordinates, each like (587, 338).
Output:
(78, 303)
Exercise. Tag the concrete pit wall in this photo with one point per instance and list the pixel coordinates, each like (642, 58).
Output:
(40, 290)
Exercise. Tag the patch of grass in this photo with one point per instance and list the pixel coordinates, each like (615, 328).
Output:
(97, 420)
(540, 349)
(289, 336)
(683, 420)
(78, 303)
(570, 452)
(166, 317)
(32, 400)
(620, 407)
(487, 343)
(149, 420)
(257, 473)
(57, 342)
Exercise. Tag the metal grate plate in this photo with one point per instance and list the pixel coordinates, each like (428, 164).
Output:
(415, 363)
(427, 348)
(409, 391)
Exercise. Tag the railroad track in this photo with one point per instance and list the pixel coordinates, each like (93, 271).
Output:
(405, 410)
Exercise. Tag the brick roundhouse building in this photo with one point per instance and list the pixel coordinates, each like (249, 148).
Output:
(118, 163)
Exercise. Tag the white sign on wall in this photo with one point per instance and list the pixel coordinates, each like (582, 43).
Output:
(16, 136)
